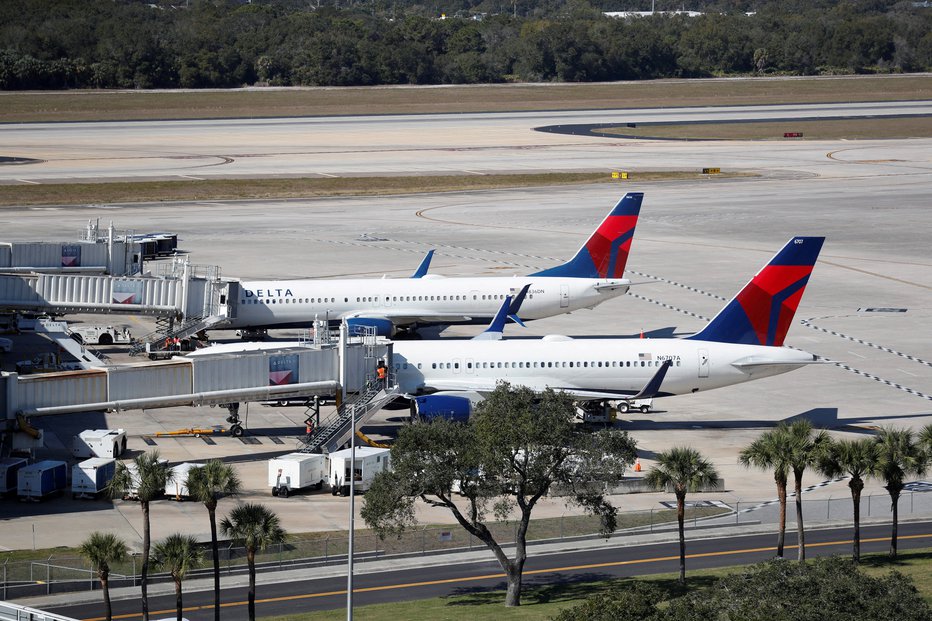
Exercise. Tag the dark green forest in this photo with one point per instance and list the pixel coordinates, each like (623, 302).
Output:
(61, 44)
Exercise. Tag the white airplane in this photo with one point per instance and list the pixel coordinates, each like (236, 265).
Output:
(594, 275)
(743, 342)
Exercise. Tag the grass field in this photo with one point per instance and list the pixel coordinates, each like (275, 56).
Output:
(23, 107)
(233, 189)
(541, 603)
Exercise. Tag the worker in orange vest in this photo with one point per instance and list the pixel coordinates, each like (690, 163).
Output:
(382, 373)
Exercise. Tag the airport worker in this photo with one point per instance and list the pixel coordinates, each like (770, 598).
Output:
(382, 373)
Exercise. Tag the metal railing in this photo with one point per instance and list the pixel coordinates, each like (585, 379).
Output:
(57, 574)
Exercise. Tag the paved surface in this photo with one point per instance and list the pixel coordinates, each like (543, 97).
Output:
(697, 243)
(475, 573)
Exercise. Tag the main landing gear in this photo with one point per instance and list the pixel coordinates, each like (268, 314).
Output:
(236, 425)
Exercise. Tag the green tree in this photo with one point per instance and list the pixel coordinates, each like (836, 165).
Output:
(145, 479)
(256, 528)
(925, 438)
(685, 470)
(772, 451)
(857, 459)
(898, 456)
(102, 550)
(208, 484)
(824, 589)
(807, 447)
(514, 449)
(178, 554)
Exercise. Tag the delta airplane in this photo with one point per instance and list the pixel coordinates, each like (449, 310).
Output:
(743, 342)
(594, 275)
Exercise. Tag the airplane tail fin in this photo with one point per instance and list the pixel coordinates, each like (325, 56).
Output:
(605, 253)
(424, 266)
(763, 310)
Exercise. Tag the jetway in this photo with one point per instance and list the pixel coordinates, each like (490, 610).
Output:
(98, 251)
(294, 371)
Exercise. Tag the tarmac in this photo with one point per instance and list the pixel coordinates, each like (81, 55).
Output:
(867, 305)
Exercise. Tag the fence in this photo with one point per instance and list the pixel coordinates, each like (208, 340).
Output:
(57, 574)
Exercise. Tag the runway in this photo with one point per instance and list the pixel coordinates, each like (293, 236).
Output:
(468, 144)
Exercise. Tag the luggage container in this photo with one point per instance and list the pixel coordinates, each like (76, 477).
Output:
(107, 443)
(132, 492)
(369, 462)
(296, 471)
(9, 466)
(178, 487)
(90, 477)
(41, 479)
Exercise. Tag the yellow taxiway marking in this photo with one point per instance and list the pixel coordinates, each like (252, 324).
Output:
(408, 585)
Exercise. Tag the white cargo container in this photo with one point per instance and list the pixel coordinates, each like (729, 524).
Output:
(9, 466)
(178, 488)
(296, 471)
(369, 462)
(107, 443)
(41, 479)
(90, 477)
(132, 492)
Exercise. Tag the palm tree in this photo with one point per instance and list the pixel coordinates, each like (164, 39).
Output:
(145, 478)
(857, 459)
(256, 527)
(899, 456)
(208, 484)
(806, 449)
(925, 438)
(178, 553)
(102, 549)
(772, 451)
(686, 470)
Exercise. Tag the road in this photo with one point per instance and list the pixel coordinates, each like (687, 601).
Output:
(474, 578)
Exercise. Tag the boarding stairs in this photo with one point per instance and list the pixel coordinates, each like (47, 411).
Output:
(167, 328)
(336, 430)
(58, 333)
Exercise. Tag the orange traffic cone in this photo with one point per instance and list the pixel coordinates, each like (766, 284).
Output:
(637, 464)
(642, 332)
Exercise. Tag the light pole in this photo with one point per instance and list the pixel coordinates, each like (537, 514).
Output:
(352, 515)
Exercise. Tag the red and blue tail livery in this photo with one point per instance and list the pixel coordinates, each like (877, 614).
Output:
(763, 310)
(605, 254)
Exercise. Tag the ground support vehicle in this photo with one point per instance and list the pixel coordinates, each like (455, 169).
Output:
(90, 477)
(369, 462)
(297, 471)
(41, 480)
(178, 488)
(108, 443)
(9, 466)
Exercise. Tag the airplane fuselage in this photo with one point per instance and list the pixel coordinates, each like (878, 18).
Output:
(413, 301)
(610, 366)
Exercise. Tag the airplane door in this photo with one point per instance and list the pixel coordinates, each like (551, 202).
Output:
(469, 366)
(703, 363)
(564, 296)
(457, 363)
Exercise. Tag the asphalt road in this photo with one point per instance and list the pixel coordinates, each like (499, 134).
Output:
(479, 578)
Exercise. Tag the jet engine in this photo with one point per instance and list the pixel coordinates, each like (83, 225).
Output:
(451, 407)
(383, 327)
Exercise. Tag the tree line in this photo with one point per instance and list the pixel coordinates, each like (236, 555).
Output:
(59, 44)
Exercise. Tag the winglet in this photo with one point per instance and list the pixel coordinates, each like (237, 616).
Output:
(763, 310)
(423, 267)
(516, 305)
(605, 253)
(497, 327)
(653, 386)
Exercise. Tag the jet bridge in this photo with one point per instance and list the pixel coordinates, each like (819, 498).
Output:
(297, 370)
